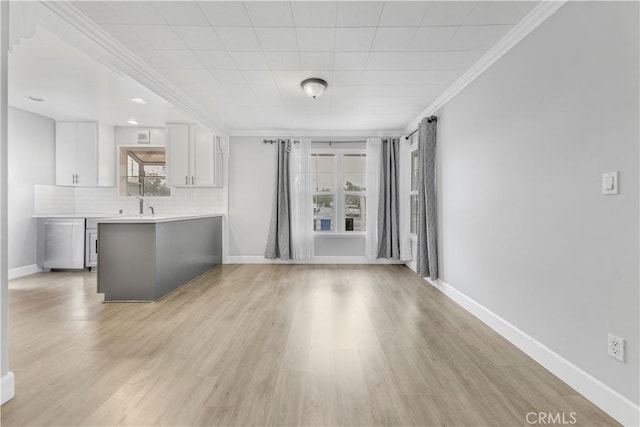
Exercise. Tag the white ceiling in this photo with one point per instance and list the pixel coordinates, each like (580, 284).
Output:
(243, 62)
(74, 86)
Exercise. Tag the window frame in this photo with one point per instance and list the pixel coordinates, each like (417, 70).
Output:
(340, 193)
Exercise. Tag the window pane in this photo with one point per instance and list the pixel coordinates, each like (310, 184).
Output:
(323, 212)
(414, 170)
(354, 172)
(414, 214)
(355, 213)
(322, 169)
(155, 187)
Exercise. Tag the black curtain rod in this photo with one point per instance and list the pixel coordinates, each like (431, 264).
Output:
(273, 141)
(429, 120)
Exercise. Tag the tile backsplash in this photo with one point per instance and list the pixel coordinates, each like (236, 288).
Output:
(51, 199)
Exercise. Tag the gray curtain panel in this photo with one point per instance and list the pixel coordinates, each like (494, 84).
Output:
(427, 258)
(388, 225)
(279, 239)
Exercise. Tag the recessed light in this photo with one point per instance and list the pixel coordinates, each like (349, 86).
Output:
(133, 122)
(35, 98)
(138, 100)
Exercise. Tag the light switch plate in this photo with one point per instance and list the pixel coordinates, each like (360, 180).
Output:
(610, 183)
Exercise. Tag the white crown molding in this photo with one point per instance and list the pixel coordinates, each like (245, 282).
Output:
(603, 396)
(530, 22)
(275, 133)
(118, 57)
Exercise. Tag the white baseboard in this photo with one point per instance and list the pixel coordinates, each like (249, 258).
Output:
(603, 396)
(7, 387)
(314, 260)
(26, 270)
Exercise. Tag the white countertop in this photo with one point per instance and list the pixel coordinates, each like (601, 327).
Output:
(153, 219)
(124, 219)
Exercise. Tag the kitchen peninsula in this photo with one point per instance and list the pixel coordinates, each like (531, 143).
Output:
(144, 257)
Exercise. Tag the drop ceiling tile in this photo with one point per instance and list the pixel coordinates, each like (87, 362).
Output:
(501, 12)
(250, 60)
(199, 38)
(270, 13)
(350, 61)
(125, 35)
(478, 37)
(192, 78)
(99, 12)
(241, 92)
(239, 38)
(180, 13)
(277, 39)
(354, 39)
(402, 60)
(228, 77)
(402, 13)
(447, 12)
(315, 39)
(392, 39)
(460, 59)
(314, 13)
(258, 77)
(347, 78)
(180, 59)
(283, 60)
(159, 36)
(225, 13)
(215, 60)
(137, 13)
(432, 38)
(358, 13)
(316, 60)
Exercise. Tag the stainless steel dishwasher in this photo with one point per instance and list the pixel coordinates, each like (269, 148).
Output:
(64, 240)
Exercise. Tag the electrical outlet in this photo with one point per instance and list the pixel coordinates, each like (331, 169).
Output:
(616, 347)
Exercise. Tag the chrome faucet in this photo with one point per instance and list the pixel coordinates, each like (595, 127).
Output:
(153, 212)
(141, 205)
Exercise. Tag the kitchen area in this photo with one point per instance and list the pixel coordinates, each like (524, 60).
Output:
(106, 176)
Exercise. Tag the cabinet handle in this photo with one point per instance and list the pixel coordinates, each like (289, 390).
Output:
(77, 179)
(73, 178)
(193, 180)
(186, 180)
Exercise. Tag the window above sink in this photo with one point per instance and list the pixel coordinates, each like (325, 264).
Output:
(142, 172)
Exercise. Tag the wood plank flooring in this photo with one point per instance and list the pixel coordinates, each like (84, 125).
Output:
(253, 345)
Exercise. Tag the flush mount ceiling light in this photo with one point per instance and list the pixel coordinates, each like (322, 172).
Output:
(35, 98)
(133, 122)
(313, 87)
(138, 100)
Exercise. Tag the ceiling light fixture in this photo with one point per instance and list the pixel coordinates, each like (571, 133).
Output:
(133, 122)
(313, 87)
(138, 100)
(35, 98)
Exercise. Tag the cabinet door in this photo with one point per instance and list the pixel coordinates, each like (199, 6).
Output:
(87, 154)
(217, 163)
(65, 153)
(178, 156)
(202, 161)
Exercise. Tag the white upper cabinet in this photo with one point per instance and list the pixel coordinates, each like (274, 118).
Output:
(77, 153)
(193, 157)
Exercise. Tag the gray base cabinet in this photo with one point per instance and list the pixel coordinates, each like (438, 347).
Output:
(145, 261)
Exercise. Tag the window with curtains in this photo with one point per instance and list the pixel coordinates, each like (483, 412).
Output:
(413, 194)
(338, 183)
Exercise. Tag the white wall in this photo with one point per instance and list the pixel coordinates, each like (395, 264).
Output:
(31, 154)
(524, 228)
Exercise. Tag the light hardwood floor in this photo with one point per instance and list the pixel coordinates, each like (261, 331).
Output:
(249, 345)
